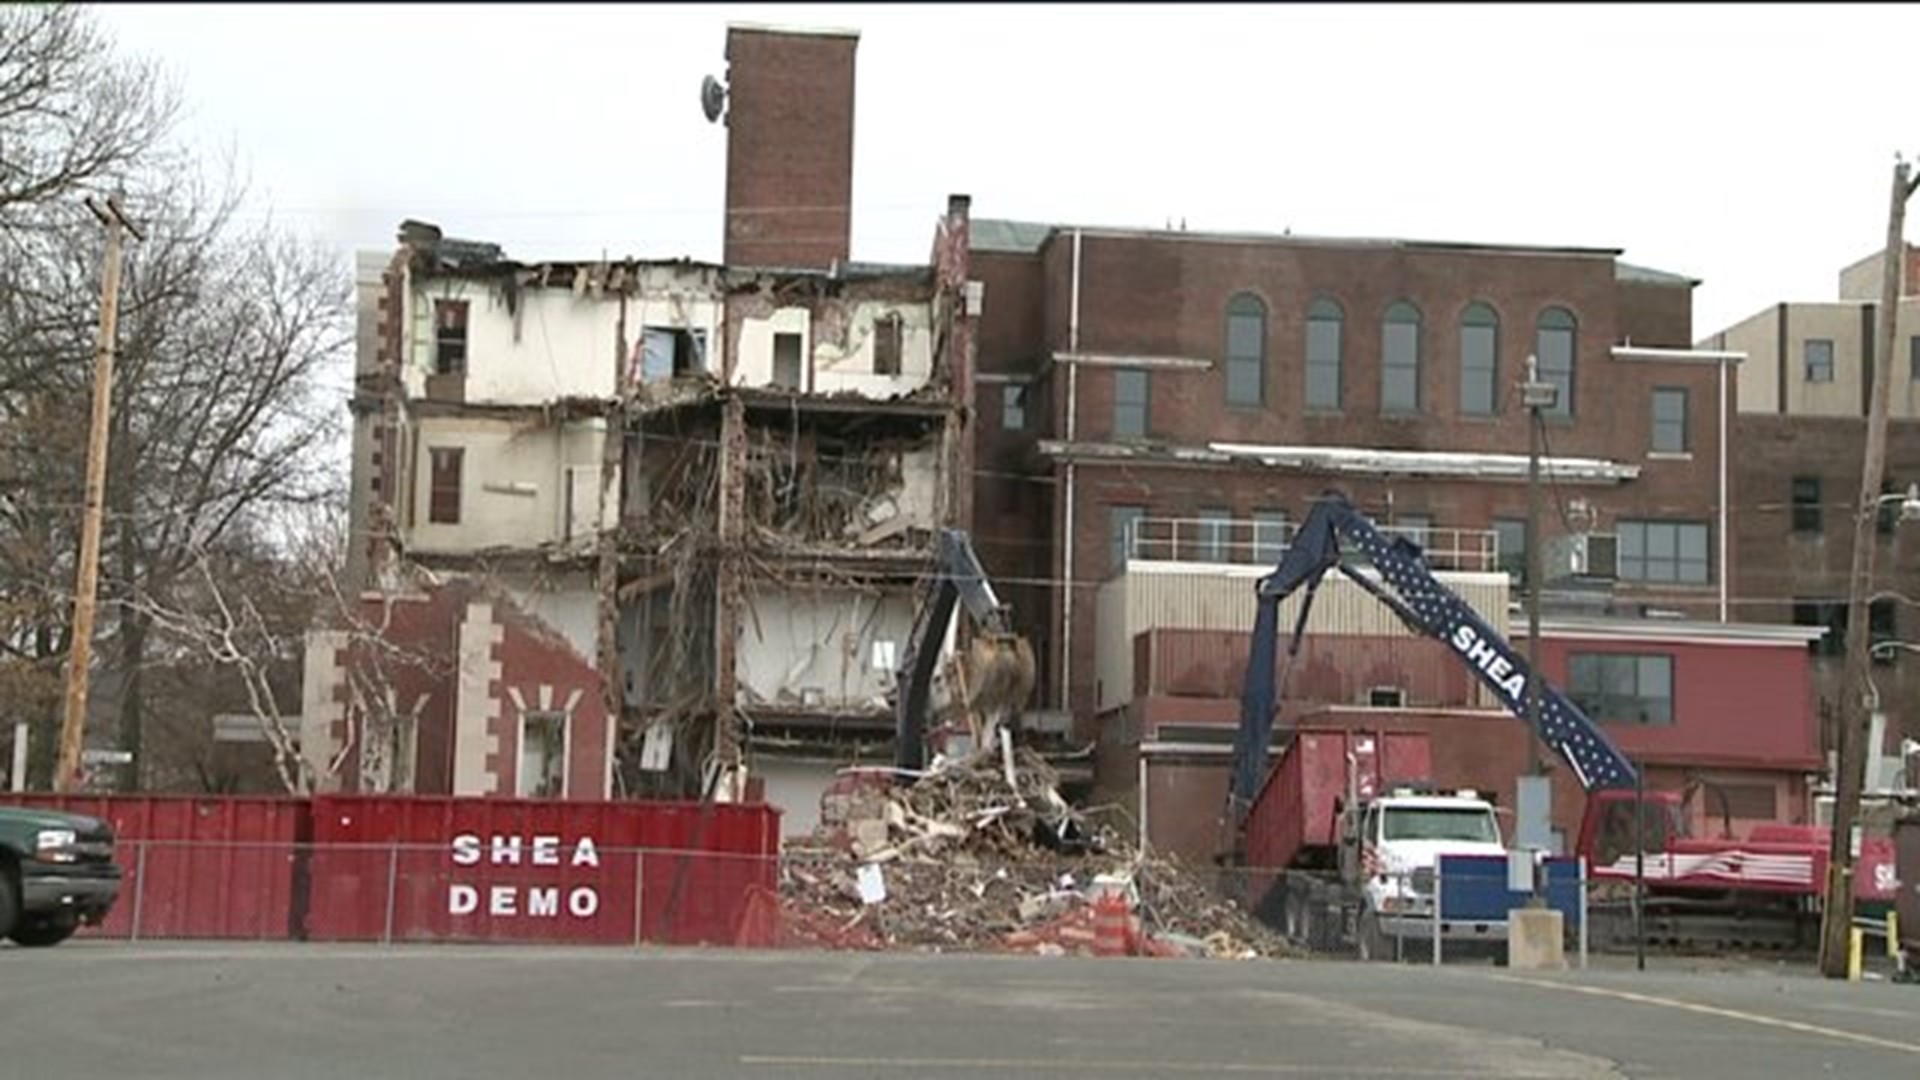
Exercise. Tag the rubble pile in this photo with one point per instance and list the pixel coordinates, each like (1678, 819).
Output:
(983, 855)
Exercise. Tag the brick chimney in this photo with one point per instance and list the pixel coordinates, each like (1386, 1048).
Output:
(789, 146)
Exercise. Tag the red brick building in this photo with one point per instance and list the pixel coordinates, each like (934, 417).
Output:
(1136, 385)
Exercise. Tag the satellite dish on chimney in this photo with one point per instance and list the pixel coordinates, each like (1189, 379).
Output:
(713, 97)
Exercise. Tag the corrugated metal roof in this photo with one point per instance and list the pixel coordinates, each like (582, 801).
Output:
(1646, 275)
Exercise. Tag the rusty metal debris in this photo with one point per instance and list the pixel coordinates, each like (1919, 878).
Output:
(970, 863)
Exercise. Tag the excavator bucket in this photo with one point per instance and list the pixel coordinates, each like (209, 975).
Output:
(1000, 673)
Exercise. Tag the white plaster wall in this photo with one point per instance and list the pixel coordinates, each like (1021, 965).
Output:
(841, 368)
(793, 640)
(514, 479)
(753, 365)
(565, 602)
(795, 786)
(568, 345)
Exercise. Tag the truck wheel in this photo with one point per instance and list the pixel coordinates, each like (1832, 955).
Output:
(1373, 943)
(41, 931)
(9, 899)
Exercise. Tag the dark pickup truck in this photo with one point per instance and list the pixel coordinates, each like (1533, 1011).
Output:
(56, 874)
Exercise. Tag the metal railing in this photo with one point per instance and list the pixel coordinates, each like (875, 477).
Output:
(1253, 542)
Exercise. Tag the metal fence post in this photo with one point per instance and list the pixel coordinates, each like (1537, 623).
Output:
(393, 887)
(1583, 912)
(139, 886)
(1439, 879)
(639, 923)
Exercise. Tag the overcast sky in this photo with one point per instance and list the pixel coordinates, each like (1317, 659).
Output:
(1748, 146)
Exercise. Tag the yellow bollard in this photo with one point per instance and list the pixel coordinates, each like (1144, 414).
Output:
(1855, 939)
(1893, 934)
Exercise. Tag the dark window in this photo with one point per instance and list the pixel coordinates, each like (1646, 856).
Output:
(1325, 323)
(543, 755)
(1806, 504)
(1479, 360)
(1013, 407)
(1624, 688)
(1246, 350)
(1216, 527)
(1886, 511)
(1825, 613)
(887, 333)
(1554, 338)
(1122, 521)
(1400, 359)
(1510, 540)
(786, 361)
(1818, 354)
(1882, 625)
(1913, 357)
(667, 352)
(443, 492)
(449, 337)
(1664, 551)
(1415, 527)
(1755, 802)
(1670, 434)
(1269, 535)
(1130, 404)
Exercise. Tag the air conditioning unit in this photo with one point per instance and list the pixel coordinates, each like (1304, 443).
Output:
(1585, 555)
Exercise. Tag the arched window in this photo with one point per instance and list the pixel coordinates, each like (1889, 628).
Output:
(1400, 359)
(1246, 349)
(1325, 322)
(1554, 346)
(1479, 361)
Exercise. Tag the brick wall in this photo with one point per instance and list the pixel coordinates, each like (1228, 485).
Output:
(789, 148)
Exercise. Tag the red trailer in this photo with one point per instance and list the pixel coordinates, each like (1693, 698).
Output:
(1295, 818)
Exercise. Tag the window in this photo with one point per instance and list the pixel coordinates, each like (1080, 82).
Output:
(669, 352)
(1400, 359)
(1269, 535)
(449, 337)
(1246, 349)
(1216, 524)
(1622, 687)
(1806, 504)
(1664, 551)
(443, 491)
(786, 361)
(1479, 360)
(1755, 802)
(1818, 354)
(1013, 407)
(1325, 323)
(543, 755)
(1670, 421)
(1415, 527)
(1465, 826)
(1130, 404)
(1825, 613)
(1886, 511)
(1122, 523)
(886, 345)
(1510, 541)
(1882, 625)
(1554, 346)
(1913, 357)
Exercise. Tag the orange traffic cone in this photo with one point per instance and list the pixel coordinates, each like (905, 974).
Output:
(1110, 919)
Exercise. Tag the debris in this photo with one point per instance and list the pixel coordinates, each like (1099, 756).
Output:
(981, 854)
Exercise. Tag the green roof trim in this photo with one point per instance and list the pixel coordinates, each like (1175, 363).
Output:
(1646, 275)
(1015, 237)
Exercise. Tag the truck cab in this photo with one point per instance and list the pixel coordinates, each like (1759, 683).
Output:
(1391, 846)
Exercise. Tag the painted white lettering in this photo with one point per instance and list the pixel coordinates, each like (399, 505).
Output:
(583, 902)
(546, 851)
(1500, 669)
(1515, 687)
(543, 903)
(584, 853)
(506, 850)
(1481, 653)
(466, 850)
(501, 900)
(463, 900)
(1463, 638)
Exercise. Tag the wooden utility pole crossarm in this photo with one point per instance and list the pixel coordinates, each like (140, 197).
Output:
(1850, 736)
(79, 659)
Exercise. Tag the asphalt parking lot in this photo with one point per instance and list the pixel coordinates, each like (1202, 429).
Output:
(110, 1010)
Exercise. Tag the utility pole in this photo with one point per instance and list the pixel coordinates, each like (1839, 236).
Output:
(1836, 917)
(80, 654)
(1535, 395)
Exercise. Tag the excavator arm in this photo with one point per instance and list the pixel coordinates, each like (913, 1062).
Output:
(1428, 607)
(1002, 663)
